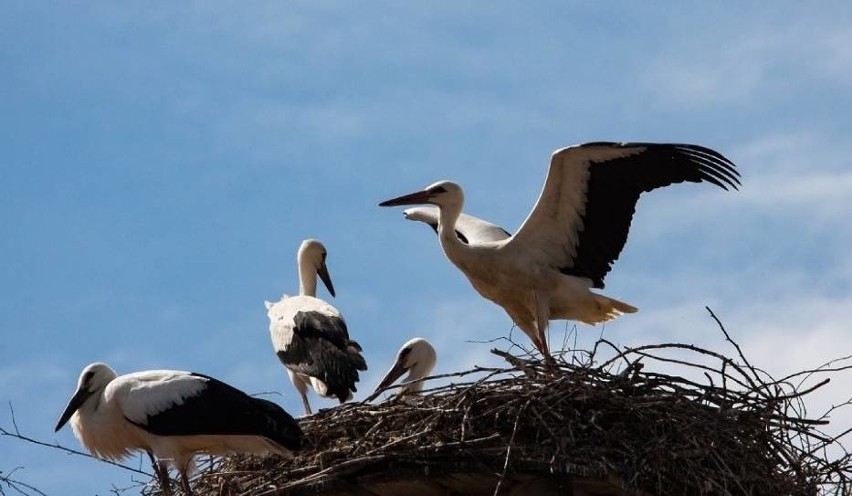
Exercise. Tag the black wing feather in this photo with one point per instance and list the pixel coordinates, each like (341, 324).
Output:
(614, 187)
(221, 409)
(321, 348)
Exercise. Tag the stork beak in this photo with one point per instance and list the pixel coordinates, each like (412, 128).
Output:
(393, 374)
(418, 198)
(77, 400)
(326, 279)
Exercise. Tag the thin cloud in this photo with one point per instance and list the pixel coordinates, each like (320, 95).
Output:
(827, 194)
(762, 61)
(781, 336)
(801, 177)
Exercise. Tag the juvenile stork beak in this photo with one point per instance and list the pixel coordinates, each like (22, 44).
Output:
(417, 198)
(326, 278)
(80, 396)
(393, 374)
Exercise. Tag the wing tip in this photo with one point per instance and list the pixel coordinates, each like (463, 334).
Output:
(713, 166)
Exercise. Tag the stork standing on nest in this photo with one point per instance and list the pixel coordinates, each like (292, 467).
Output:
(173, 415)
(310, 336)
(418, 358)
(574, 233)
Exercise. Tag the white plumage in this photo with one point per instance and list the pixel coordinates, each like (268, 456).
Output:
(417, 357)
(469, 229)
(172, 415)
(573, 234)
(310, 336)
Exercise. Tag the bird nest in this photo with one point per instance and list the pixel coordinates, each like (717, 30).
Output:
(577, 427)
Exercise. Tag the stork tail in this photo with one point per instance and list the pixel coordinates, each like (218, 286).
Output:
(610, 308)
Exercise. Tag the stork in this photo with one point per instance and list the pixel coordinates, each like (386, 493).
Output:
(573, 234)
(418, 358)
(469, 229)
(310, 336)
(172, 415)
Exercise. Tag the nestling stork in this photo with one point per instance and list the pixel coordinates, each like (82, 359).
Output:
(576, 230)
(310, 336)
(173, 415)
(418, 358)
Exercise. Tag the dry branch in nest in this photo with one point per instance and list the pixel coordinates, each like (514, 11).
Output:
(534, 429)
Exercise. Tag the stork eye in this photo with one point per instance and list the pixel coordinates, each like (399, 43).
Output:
(88, 376)
(438, 189)
(404, 352)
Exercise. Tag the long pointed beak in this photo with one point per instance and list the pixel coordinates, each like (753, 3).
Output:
(326, 279)
(393, 374)
(76, 401)
(417, 198)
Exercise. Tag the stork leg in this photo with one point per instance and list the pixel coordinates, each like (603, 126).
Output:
(154, 463)
(184, 481)
(162, 472)
(299, 382)
(305, 402)
(542, 321)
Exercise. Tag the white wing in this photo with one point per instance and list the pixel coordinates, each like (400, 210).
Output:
(469, 229)
(581, 220)
(141, 395)
(282, 316)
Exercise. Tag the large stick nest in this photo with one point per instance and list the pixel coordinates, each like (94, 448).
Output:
(734, 431)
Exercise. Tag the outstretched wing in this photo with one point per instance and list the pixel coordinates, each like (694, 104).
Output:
(581, 220)
(469, 229)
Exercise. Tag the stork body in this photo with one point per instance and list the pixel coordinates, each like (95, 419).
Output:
(418, 358)
(310, 336)
(172, 415)
(574, 233)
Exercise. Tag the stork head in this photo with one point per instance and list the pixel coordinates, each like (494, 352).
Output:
(93, 379)
(311, 256)
(417, 357)
(442, 194)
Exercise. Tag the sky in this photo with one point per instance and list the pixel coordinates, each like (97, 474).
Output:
(162, 161)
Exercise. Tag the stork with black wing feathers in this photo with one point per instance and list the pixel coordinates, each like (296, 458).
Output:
(573, 234)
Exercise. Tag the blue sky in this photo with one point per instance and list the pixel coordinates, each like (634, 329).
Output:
(163, 161)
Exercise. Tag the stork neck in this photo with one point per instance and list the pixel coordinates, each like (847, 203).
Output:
(307, 279)
(418, 371)
(448, 215)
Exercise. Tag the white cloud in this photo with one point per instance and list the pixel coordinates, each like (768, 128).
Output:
(723, 78)
(35, 372)
(764, 59)
(799, 150)
(827, 194)
(835, 55)
(780, 334)
(800, 179)
(800, 176)
(461, 331)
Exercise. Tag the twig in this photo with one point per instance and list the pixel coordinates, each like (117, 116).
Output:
(648, 431)
(509, 449)
(18, 486)
(17, 434)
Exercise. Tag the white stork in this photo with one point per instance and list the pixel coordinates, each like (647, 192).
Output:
(173, 415)
(469, 229)
(310, 336)
(418, 358)
(576, 230)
